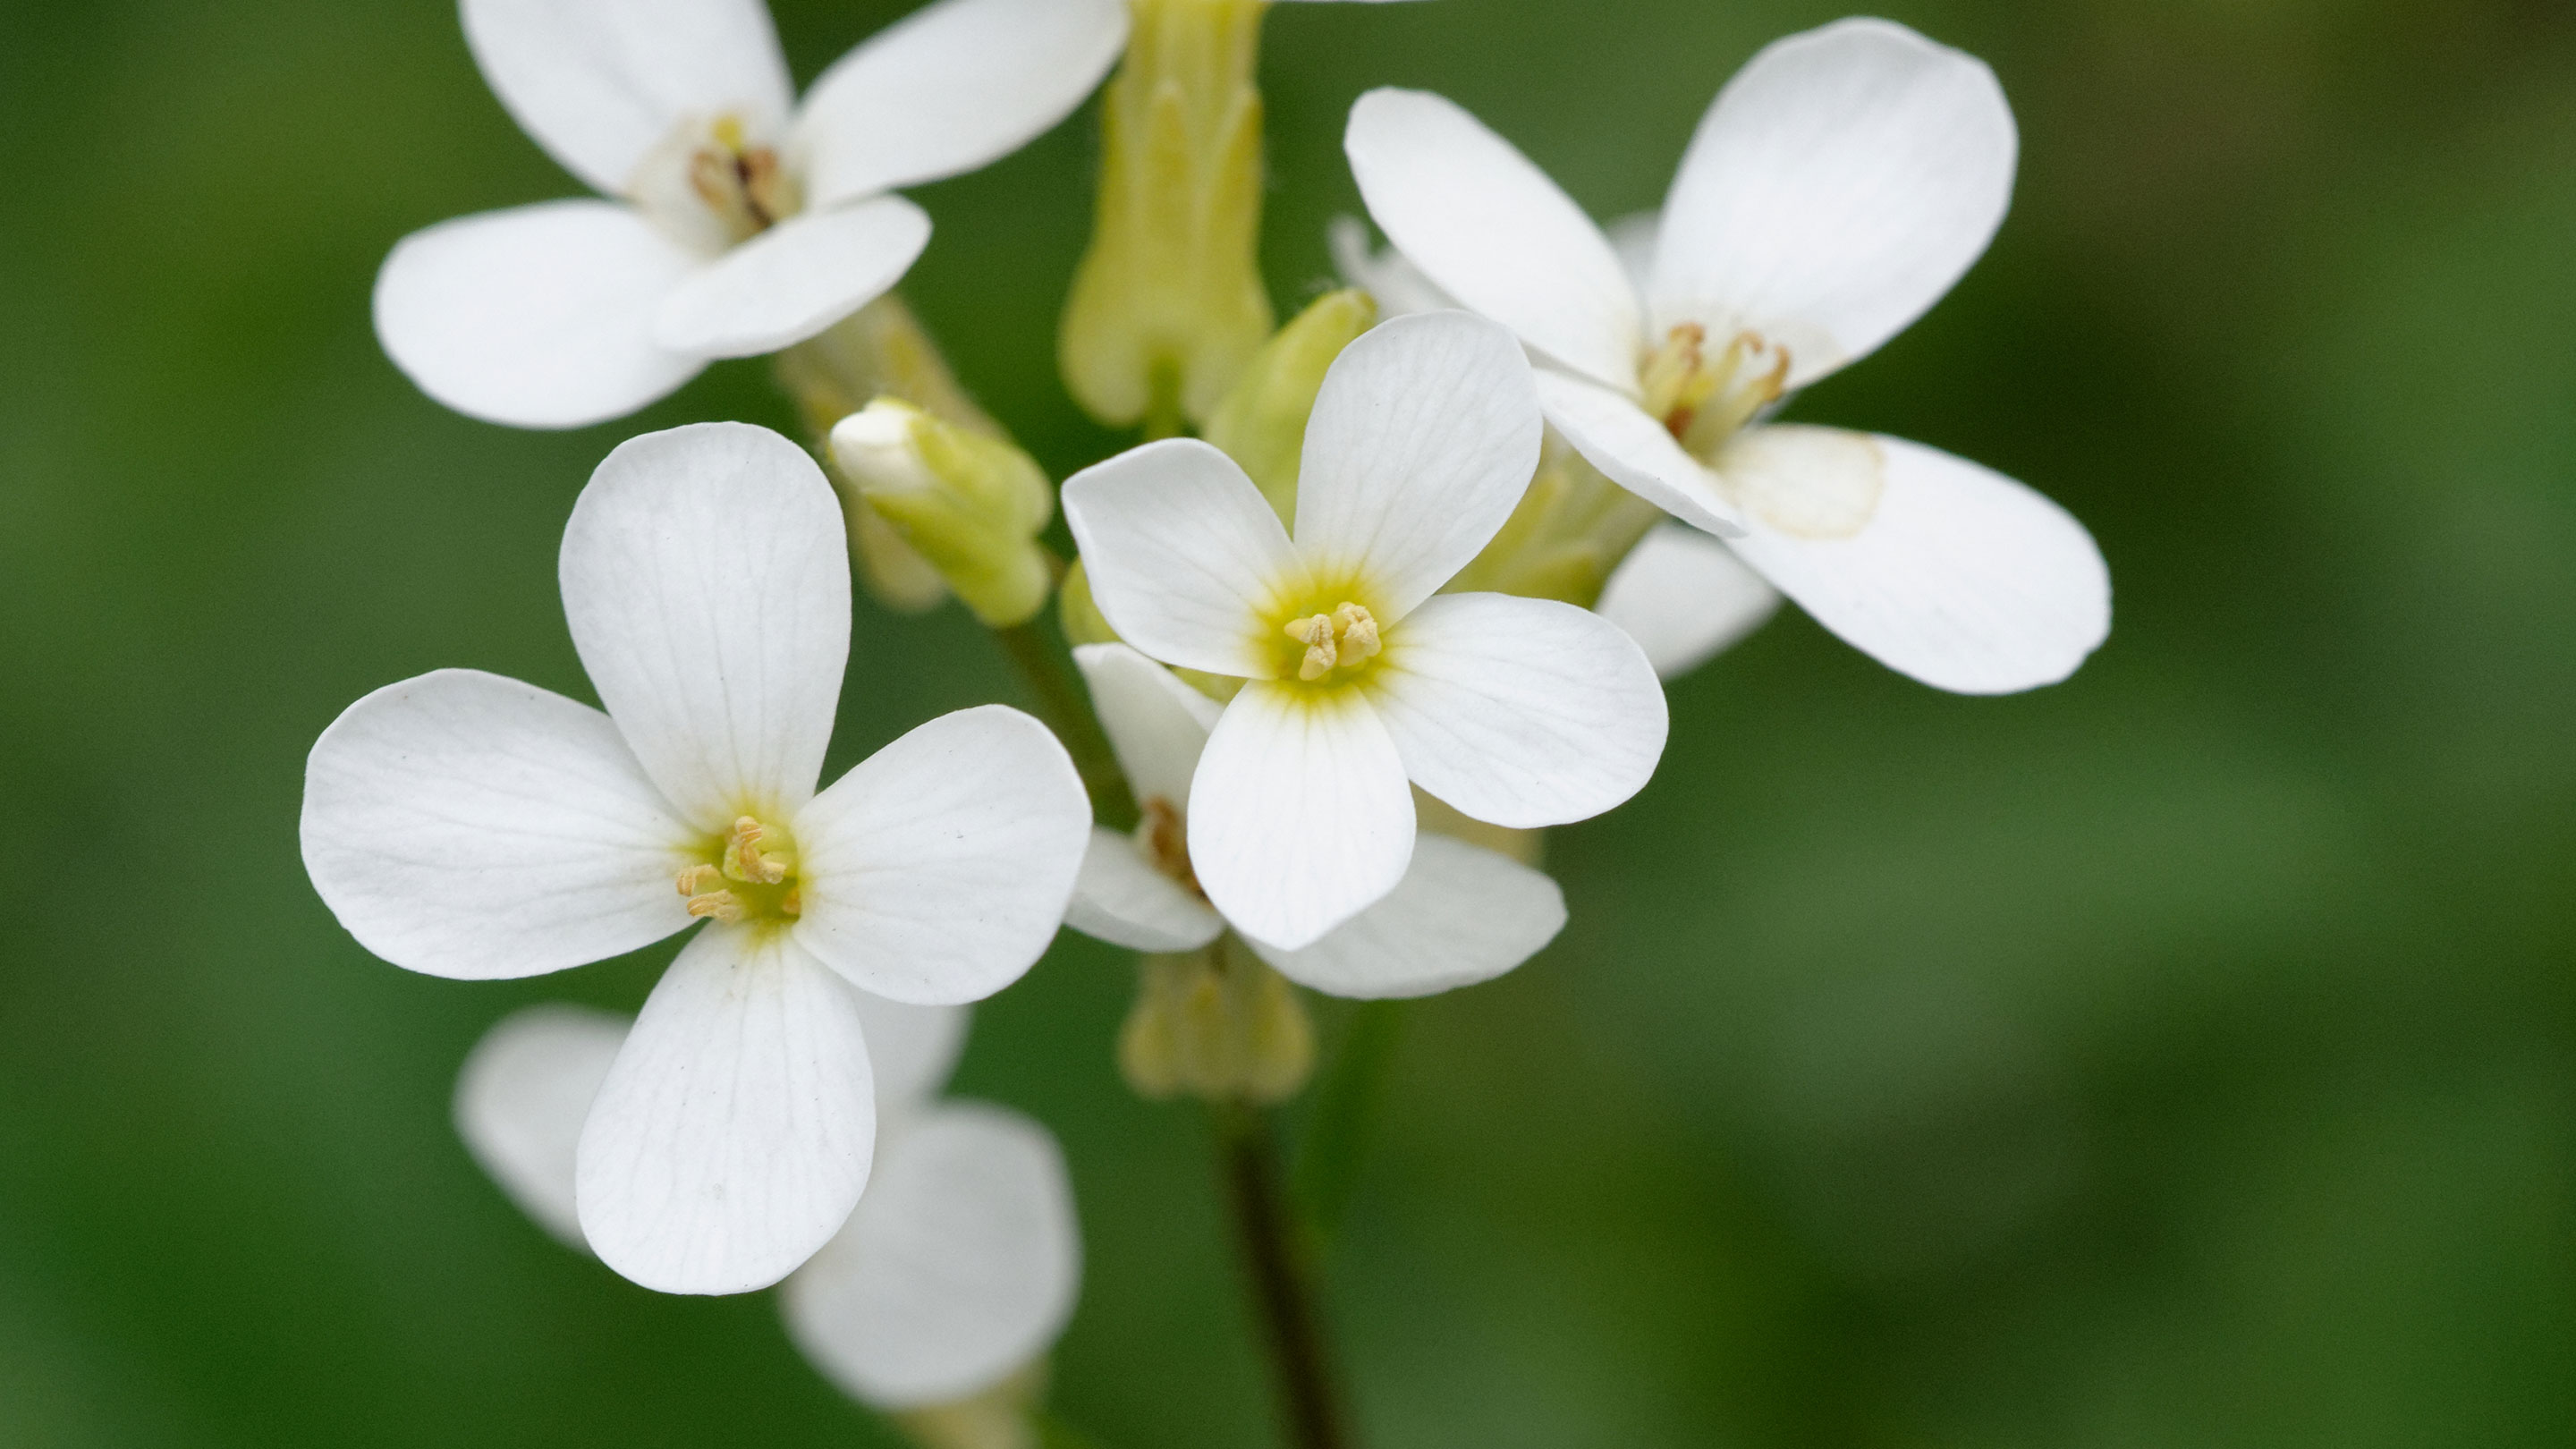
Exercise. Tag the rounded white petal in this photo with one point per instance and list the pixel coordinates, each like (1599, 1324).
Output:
(1490, 229)
(1120, 898)
(960, 1266)
(473, 827)
(1461, 915)
(1156, 724)
(1520, 712)
(1958, 576)
(938, 870)
(911, 1049)
(1685, 598)
(1423, 439)
(949, 88)
(1398, 285)
(1634, 237)
(707, 579)
(522, 1097)
(537, 317)
(1187, 562)
(1843, 181)
(794, 280)
(1634, 451)
(733, 1134)
(598, 83)
(1300, 817)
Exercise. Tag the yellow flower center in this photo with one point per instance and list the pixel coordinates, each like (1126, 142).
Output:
(1704, 400)
(750, 875)
(1342, 640)
(742, 184)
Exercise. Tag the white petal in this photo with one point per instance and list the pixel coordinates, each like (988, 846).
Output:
(960, 1266)
(1520, 712)
(1493, 231)
(474, 827)
(521, 1099)
(912, 1050)
(1398, 285)
(707, 579)
(951, 87)
(1120, 898)
(938, 870)
(1186, 560)
(537, 317)
(1299, 818)
(732, 1136)
(1156, 724)
(1634, 451)
(1685, 597)
(1843, 181)
(1634, 237)
(1462, 915)
(1958, 576)
(794, 280)
(1422, 441)
(598, 83)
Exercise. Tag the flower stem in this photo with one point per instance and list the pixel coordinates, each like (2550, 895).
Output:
(1282, 1277)
(1061, 705)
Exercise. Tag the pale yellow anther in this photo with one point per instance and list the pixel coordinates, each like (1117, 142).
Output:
(1358, 630)
(698, 880)
(716, 905)
(1704, 401)
(1676, 378)
(744, 185)
(744, 860)
(1316, 634)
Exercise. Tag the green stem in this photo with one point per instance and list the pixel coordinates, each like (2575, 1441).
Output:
(1061, 704)
(1283, 1286)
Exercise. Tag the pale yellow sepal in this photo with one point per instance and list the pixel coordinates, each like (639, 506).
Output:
(1262, 422)
(970, 505)
(1572, 528)
(1218, 1024)
(997, 1418)
(1168, 304)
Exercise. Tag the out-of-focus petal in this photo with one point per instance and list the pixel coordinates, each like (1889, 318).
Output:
(960, 1266)
(1422, 441)
(525, 1090)
(1120, 898)
(707, 579)
(1685, 597)
(938, 870)
(948, 88)
(474, 827)
(1520, 712)
(732, 1136)
(794, 280)
(1843, 181)
(1462, 915)
(911, 1050)
(1156, 724)
(1398, 285)
(537, 317)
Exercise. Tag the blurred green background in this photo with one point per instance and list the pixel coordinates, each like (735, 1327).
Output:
(2183, 1056)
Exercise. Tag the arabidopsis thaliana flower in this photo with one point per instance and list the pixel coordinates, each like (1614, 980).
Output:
(1461, 914)
(1840, 184)
(470, 826)
(742, 221)
(1519, 712)
(960, 1264)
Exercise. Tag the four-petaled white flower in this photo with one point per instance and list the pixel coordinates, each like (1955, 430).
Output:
(1461, 915)
(960, 1265)
(1519, 712)
(744, 222)
(1841, 183)
(470, 826)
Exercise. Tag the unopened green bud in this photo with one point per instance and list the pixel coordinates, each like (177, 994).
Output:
(1218, 1024)
(1572, 528)
(1262, 422)
(1168, 304)
(969, 504)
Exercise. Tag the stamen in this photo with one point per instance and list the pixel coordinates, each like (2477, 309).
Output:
(1677, 378)
(1704, 401)
(697, 880)
(1165, 836)
(743, 859)
(719, 905)
(1359, 634)
(1317, 635)
(1343, 639)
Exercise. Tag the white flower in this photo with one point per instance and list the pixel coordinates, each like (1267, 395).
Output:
(470, 826)
(1520, 712)
(959, 1266)
(1838, 187)
(742, 221)
(1461, 914)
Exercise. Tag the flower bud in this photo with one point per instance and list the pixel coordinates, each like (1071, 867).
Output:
(968, 504)
(1261, 424)
(1571, 529)
(1218, 1024)
(1168, 304)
